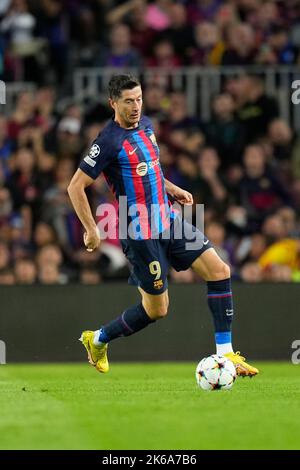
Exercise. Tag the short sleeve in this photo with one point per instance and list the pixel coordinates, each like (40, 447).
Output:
(99, 157)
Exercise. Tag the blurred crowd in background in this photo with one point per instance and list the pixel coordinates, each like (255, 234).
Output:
(243, 164)
(44, 40)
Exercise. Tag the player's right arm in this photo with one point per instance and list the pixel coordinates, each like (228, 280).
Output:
(101, 155)
(76, 191)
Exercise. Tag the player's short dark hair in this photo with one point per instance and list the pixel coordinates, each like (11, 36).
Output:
(118, 83)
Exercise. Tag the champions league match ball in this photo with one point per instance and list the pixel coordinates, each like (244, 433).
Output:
(215, 373)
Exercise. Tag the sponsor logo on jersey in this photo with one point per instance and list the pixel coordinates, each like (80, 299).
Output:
(153, 163)
(142, 169)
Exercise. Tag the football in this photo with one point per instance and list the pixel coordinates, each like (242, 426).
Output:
(215, 373)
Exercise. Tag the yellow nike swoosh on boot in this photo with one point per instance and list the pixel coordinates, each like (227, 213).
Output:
(242, 368)
(97, 355)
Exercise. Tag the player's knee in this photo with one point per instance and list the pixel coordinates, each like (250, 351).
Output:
(226, 271)
(156, 312)
(160, 312)
(222, 272)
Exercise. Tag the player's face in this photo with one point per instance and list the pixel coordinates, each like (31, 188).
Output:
(128, 107)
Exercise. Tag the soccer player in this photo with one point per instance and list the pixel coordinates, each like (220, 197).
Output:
(128, 155)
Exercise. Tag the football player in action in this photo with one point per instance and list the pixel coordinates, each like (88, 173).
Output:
(128, 155)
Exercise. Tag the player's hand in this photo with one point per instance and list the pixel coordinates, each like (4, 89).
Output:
(183, 197)
(92, 239)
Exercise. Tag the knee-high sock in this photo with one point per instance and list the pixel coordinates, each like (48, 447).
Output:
(219, 296)
(131, 321)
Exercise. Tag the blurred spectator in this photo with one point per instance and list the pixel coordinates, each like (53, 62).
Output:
(25, 271)
(178, 118)
(216, 233)
(227, 14)
(142, 34)
(252, 247)
(49, 254)
(158, 14)
(6, 146)
(200, 10)
(23, 182)
(266, 16)
(187, 173)
(68, 137)
(255, 109)
(44, 101)
(278, 49)
(289, 219)
(51, 257)
(278, 273)
(224, 131)
(280, 135)
(236, 220)
(209, 164)
(7, 277)
(44, 234)
(274, 228)
(51, 25)
(260, 191)
(6, 204)
(18, 27)
(251, 272)
(240, 49)
(86, 38)
(209, 47)
(155, 102)
(90, 276)
(57, 207)
(4, 255)
(179, 32)
(120, 53)
(284, 252)
(164, 55)
(49, 274)
(23, 117)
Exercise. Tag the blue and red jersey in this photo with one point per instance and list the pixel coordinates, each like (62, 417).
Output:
(129, 160)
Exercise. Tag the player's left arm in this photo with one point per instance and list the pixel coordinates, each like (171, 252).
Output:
(180, 195)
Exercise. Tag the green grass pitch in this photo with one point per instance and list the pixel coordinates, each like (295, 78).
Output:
(146, 406)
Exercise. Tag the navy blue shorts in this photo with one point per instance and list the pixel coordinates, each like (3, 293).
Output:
(150, 259)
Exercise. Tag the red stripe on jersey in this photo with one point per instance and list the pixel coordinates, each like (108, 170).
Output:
(160, 185)
(139, 190)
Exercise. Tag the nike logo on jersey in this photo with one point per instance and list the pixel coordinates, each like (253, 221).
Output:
(131, 152)
(205, 243)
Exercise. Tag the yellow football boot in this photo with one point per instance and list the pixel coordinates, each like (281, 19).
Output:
(97, 355)
(242, 368)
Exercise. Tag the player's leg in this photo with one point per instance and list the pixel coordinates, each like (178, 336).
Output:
(149, 273)
(132, 320)
(156, 306)
(135, 318)
(219, 294)
(205, 261)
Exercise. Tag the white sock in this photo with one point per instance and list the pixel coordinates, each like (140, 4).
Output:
(224, 349)
(96, 340)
